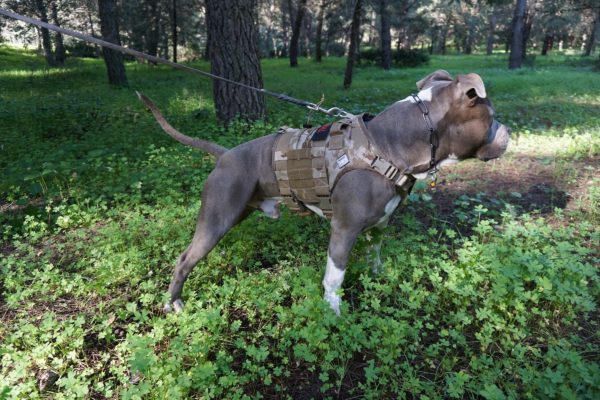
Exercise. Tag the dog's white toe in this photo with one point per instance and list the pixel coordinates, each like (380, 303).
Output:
(167, 308)
(178, 305)
(334, 302)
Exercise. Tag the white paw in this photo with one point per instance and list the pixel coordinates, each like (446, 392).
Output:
(177, 307)
(334, 302)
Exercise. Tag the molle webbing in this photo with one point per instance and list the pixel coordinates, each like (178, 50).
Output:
(309, 162)
(301, 170)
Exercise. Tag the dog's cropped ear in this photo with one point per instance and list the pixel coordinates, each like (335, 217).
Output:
(471, 85)
(439, 75)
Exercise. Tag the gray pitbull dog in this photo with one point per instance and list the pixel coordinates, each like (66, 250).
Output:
(362, 199)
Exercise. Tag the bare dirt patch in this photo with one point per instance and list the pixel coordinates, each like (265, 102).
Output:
(529, 184)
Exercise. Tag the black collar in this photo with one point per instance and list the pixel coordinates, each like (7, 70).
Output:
(434, 140)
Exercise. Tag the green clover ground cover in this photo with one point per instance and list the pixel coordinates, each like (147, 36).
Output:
(486, 293)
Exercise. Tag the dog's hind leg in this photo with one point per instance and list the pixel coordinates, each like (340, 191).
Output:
(224, 203)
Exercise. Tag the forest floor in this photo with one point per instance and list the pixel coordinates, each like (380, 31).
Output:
(491, 285)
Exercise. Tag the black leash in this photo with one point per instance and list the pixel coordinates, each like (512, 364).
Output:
(434, 140)
(334, 111)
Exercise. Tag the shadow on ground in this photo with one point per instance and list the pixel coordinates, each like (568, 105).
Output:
(466, 193)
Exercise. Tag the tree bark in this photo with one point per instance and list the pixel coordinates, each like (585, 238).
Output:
(442, 41)
(89, 15)
(233, 37)
(517, 50)
(354, 38)
(319, 33)
(60, 55)
(174, 32)
(109, 27)
(528, 23)
(386, 36)
(46, 41)
(491, 32)
(548, 42)
(296, 33)
(153, 36)
(594, 34)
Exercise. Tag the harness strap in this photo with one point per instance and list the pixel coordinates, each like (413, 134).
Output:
(369, 154)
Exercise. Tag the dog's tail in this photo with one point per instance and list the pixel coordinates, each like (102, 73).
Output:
(205, 145)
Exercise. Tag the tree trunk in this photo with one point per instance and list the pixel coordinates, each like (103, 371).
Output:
(109, 27)
(386, 36)
(517, 50)
(60, 55)
(174, 26)
(89, 15)
(153, 36)
(443, 40)
(296, 33)
(233, 37)
(528, 23)
(206, 54)
(319, 33)
(594, 34)
(306, 33)
(354, 37)
(46, 41)
(548, 42)
(491, 32)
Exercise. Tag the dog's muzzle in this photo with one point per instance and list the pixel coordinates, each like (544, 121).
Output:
(497, 140)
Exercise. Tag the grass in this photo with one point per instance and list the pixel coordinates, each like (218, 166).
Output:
(490, 288)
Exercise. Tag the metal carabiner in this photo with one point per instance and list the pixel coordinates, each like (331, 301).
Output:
(333, 111)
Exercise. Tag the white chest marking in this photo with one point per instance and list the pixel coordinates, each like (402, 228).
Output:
(388, 210)
(452, 159)
(424, 95)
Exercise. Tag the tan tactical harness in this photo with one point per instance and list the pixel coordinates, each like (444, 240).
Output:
(309, 162)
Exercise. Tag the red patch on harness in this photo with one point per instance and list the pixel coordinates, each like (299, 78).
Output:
(321, 133)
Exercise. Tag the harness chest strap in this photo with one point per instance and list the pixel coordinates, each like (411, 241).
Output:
(371, 156)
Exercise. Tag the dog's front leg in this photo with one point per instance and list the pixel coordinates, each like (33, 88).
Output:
(340, 245)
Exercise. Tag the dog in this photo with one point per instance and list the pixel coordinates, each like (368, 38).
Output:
(461, 118)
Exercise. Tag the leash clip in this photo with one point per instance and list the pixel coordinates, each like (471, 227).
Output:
(333, 111)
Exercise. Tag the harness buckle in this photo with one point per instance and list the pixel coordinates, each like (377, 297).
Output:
(384, 167)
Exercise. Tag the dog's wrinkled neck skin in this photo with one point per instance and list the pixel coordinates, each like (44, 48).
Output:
(406, 141)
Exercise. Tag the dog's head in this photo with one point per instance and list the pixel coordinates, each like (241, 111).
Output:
(469, 116)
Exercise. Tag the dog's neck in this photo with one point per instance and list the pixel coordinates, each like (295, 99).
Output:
(405, 140)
